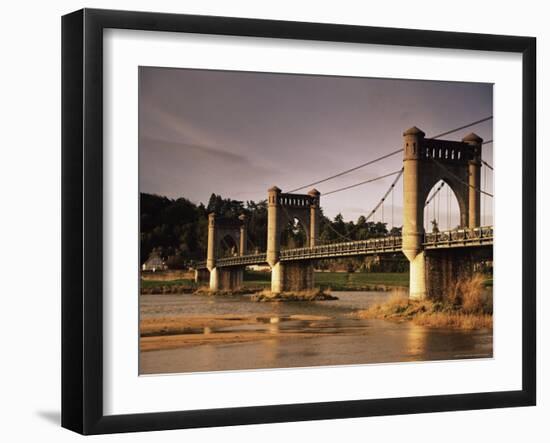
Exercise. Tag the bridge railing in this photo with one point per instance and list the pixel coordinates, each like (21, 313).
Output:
(249, 259)
(344, 249)
(459, 236)
(453, 238)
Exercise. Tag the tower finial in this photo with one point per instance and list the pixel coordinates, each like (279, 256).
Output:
(414, 131)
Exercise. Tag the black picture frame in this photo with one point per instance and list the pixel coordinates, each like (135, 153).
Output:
(82, 218)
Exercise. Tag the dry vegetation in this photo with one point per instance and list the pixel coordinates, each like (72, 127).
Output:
(467, 307)
(310, 295)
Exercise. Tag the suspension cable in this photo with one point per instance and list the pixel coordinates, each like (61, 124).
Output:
(435, 193)
(460, 180)
(463, 127)
(438, 209)
(487, 164)
(381, 202)
(483, 201)
(338, 233)
(370, 162)
(433, 211)
(347, 171)
(448, 208)
(392, 207)
(484, 162)
(291, 218)
(226, 245)
(371, 214)
(254, 248)
(362, 183)
(426, 215)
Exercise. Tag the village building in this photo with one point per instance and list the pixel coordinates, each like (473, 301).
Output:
(154, 263)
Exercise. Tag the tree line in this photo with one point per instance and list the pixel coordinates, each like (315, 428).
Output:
(177, 229)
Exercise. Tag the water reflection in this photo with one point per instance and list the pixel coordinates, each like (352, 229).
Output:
(416, 341)
(274, 325)
(274, 335)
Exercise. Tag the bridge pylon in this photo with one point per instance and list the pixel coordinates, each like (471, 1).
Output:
(281, 209)
(231, 234)
(426, 162)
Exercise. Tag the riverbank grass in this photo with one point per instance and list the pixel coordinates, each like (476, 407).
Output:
(466, 307)
(340, 281)
(146, 284)
(181, 286)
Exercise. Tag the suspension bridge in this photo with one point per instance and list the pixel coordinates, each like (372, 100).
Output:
(436, 259)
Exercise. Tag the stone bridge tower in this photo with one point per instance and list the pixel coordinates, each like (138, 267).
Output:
(229, 236)
(425, 162)
(283, 208)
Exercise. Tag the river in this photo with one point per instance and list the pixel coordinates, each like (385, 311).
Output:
(298, 334)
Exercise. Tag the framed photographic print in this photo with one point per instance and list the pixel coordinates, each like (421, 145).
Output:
(268, 221)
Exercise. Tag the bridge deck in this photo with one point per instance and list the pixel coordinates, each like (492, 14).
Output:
(458, 238)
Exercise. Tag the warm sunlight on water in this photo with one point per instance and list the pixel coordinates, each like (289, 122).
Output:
(276, 335)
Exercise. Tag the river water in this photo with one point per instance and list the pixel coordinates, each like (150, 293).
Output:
(301, 334)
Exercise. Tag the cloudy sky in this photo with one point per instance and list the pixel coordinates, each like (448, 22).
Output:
(239, 133)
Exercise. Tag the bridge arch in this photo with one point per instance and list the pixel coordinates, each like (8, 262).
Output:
(425, 162)
(228, 246)
(284, 208)
(225, 237)
(294, 233)
(456, 197)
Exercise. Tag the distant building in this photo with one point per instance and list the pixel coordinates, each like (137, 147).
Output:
(154, 263)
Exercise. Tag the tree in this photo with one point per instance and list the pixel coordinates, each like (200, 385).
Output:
(396, 231)
(177, 229)
(293, 235)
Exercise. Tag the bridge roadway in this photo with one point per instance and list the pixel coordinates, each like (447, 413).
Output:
(457, 238)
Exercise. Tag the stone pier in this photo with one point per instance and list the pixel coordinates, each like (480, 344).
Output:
(202, 276)
(291, 277)
(445, 268)
(226, 279)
